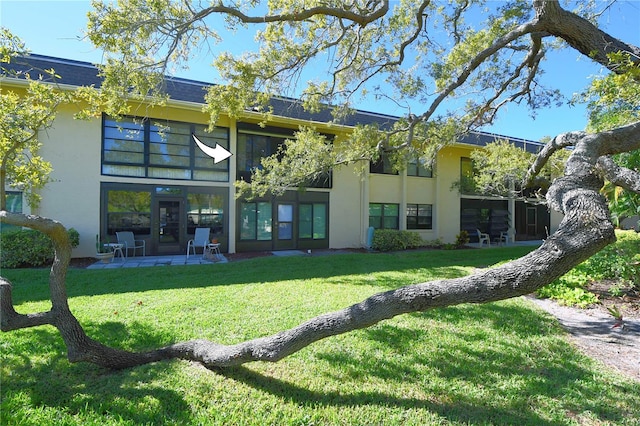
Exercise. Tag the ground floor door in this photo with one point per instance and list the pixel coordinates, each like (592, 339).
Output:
(294, 221)
(285, 235)
(169, 225)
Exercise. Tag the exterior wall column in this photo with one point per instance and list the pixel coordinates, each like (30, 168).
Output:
(512, 211)
(364, 207)
(232, 220)
(402, 219)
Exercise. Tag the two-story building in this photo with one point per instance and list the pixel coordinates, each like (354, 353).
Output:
(145, 174)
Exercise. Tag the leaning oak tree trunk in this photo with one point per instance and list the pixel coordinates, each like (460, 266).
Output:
(585, 230)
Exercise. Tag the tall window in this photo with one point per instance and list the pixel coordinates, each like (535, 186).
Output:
(313, 221)
(417, 168)
(252, 149)
(384, 216)
(255, 221)
(419, 216)
(467, 173)
(143, 148)
(129, 211)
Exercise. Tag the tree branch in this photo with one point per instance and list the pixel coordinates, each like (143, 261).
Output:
(619, 176)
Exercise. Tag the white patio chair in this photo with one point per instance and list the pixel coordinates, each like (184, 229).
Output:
(130, 243)
(483, 238)
(200, 239)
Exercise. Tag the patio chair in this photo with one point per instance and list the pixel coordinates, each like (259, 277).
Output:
(130, 243)
(507, 237)
(200, 239)
(483, 238)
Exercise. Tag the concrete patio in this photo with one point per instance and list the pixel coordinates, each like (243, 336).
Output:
(169, 260)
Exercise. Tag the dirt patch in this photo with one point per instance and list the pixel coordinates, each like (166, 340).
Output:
(595, 331)
(623, 298)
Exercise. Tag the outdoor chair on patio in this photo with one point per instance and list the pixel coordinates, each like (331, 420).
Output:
(483, 238)
(130, 243)
(201, 240)
(507, 237)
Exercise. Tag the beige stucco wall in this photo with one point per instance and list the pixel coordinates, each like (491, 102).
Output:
(73, 197)
(448, 205)
(346, 204)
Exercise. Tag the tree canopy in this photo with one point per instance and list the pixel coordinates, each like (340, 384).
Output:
(462, 61)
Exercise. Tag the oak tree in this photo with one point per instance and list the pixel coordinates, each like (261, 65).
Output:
(461, 62)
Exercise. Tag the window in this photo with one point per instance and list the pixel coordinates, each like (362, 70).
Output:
(129, 211)
(417, 168)
(255, 221)
(382, 166)
(142, 148)
(467, 173)
(313, 221)
(252, 149)
(419, 216)
(14, 205)
(205, 210)
(383, 216)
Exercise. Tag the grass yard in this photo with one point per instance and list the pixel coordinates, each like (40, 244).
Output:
(501, 363)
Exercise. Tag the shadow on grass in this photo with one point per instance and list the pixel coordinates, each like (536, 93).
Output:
(45, 377)
(523, 361)
(458, 411)
(32, 284)
(529, 362)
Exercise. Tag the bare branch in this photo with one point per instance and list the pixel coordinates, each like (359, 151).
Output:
(301, 15)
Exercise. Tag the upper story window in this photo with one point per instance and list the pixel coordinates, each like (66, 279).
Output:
(467, 173)
(143, 148)
(382, 166)
(252, 148)
(254, 145)
(415, 167)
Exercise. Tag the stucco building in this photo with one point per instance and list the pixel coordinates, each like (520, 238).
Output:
(145, 174)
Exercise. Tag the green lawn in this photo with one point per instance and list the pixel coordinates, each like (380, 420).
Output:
(501, 363)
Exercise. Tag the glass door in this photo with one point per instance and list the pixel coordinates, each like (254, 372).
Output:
(169, 230)
(284, 227)
(532, 221)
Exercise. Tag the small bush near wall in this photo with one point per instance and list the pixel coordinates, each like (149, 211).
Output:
(28, 248)
(391, 239)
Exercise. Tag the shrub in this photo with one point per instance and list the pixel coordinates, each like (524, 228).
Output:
(28, 248)
(462, 239)
(619, 261)
(392, 239)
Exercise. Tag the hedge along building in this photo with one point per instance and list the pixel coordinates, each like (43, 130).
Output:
(145, 174)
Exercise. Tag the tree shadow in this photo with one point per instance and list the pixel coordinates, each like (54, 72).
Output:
(48, 380)
(32, 285)
(502, 368)
(43, 374)
(305, 398)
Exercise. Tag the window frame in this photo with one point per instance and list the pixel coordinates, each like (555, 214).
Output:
(315, 232)
(145, 159)
(420, 169)
(428, 225)
(381, 221)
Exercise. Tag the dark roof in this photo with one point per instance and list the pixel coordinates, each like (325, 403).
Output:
(78, 73)
(484, 138)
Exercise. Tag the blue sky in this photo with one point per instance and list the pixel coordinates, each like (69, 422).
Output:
(55, 28)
